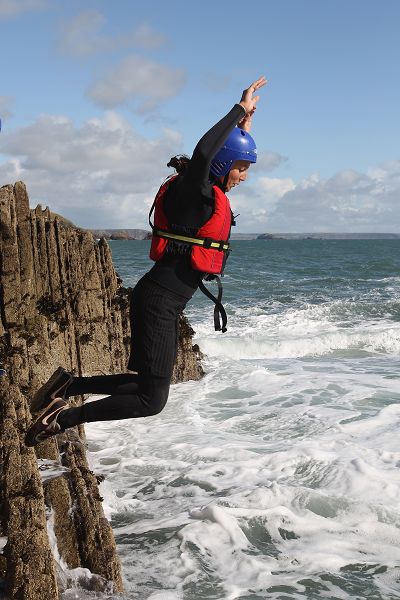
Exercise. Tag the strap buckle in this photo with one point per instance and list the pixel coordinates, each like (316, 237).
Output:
(207, 242)
(221, 246)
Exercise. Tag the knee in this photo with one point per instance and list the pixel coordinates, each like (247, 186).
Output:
(155, 409)
(158, 403)
(155, 395)
(154, 404)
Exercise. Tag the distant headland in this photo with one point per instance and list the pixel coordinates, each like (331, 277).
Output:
(328, 236)
(121, 234)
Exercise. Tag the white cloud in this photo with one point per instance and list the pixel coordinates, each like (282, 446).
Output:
(268, 161)
(256, 200)
(144, 36)
(84, 36)
(275, 187)
(81, 36)
(137, 79)
(348, 202)
(5, 104)
(102, 174)
(16, 8)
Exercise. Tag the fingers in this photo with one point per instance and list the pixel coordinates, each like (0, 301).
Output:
(247, 93)
(260, 82)
(247, 100)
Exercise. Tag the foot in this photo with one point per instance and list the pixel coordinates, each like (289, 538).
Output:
(55, 387)
(46, 424)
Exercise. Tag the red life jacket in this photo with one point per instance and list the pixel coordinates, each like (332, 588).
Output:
(209, 246)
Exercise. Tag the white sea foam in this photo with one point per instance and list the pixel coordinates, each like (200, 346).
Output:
(50, 469)
(77, 583)
(257, 479)
(387, 341)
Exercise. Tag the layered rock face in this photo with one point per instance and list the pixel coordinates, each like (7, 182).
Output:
(61, 303)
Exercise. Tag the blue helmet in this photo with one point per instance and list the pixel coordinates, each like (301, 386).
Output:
(238, 146)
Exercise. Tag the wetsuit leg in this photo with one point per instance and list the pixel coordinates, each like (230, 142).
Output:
(154, 332)
(142, 396)
(102, 384)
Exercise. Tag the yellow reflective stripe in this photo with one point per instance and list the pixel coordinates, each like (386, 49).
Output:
(190, 240)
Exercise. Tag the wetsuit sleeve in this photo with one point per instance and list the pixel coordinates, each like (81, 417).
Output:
(199, 167)
(189, 201)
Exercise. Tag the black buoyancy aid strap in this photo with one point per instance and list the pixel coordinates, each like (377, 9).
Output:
(151, 212)
(219, 310)
(167, 180)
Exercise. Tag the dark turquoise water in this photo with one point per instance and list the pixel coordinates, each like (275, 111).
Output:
(290, 268)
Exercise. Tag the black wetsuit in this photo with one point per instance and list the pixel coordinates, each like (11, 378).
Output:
(157, 301)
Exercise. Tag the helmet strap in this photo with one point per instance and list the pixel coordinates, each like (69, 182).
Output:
(221, 184)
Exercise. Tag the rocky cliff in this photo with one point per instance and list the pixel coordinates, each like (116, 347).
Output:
(61, 303)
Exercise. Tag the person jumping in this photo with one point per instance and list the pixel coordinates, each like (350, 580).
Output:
(191, 229)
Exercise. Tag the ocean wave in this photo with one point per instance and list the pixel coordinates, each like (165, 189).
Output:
(386, 341)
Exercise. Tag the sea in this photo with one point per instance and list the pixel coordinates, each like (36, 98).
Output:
(277, 475)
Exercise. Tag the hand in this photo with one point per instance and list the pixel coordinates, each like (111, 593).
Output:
(247, 100)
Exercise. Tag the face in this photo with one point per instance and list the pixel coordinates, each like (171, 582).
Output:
(237, 174)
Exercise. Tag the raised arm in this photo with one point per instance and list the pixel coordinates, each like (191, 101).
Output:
(241, 115)
(209, 144)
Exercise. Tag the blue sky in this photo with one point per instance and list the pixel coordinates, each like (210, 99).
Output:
(95, 97)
